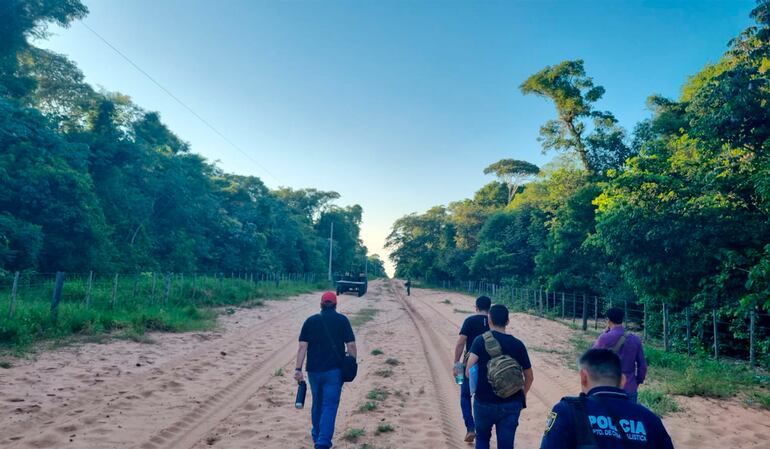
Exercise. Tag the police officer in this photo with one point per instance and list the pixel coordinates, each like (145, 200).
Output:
(602, 416)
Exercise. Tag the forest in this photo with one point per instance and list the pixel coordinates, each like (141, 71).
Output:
(673, 212)
(93, 182)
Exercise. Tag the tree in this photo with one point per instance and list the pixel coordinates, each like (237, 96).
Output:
(512, 173)
(574, 93)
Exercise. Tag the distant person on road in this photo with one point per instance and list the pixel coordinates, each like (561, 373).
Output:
(408, 285)
(602, 416)
(321, 336)
(472, 327)
(504, 379)
(629, 348)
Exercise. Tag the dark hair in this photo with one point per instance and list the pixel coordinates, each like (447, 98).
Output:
(615, 315)
(498, 315)
(483, 303)
(603, 366)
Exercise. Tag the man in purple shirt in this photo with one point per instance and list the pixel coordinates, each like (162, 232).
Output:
(629, 348)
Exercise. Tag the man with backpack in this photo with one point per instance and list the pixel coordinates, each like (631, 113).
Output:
(473, 326)
(324, 338)
(602, 417)
(628, 347)
(504, 379)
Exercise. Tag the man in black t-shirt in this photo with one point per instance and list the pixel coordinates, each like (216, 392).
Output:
(489, 409)
(323, 339)
(473, 326)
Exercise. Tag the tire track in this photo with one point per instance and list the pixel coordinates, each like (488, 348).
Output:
(438, 367)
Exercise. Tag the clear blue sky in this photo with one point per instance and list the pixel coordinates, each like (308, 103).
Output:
(396, 105)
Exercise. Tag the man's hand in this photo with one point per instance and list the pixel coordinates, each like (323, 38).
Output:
(298, 376)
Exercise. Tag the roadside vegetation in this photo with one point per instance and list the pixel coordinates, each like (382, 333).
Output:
(135, 310)
(673, 374)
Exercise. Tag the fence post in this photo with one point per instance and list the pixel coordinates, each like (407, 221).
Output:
(689, 342)
(14, 289)
(88, 288)
(625, 311)
(716, 335)
(168, 288)
(136, 286)
(562, 305)
(114, 298)
(665, 327)
(56, 298)
(195, 285)
(574, 307)
(596, 312)
(644, 319)
(540, 299)
(585, 312)
(752, 319)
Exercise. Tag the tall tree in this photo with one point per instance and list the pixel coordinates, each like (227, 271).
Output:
(513, 173)
(593, 135)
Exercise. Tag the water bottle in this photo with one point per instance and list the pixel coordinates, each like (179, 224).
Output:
(301, 393)
(460, 368)
(473, 380)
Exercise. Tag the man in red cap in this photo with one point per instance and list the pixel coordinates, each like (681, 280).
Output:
(324, 338)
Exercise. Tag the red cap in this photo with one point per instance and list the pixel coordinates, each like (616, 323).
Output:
(329, 298)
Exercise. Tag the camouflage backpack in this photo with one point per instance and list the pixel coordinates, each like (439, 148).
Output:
(503, 372)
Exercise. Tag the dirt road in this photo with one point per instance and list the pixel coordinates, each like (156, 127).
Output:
(233, 388)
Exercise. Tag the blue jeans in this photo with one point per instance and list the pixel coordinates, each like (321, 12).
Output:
(466, 405)
(326, 388)
(505, 419)
(633, 397)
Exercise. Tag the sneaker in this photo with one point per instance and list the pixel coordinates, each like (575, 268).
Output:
(470, 436)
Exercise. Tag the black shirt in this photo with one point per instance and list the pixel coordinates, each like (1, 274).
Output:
(320, 355)
(473, 326)
(511, 346)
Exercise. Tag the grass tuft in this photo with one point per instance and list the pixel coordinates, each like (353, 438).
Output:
(377, 394)
(353, 434)
(384, 372)
(659, 402)
(392, 362)
(377, 351)
(385, 428)
(369, 406)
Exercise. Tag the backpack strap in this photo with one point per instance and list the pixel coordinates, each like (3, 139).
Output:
(492, 345)
(619, 343)
(584, 435)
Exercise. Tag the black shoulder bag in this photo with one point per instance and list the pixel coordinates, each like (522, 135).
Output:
(584, 435)
(348, 364)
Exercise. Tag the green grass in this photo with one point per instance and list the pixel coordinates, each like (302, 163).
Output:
(353, 434)
(137, 310)
(377, 394)
(385, 428)
(760, 399)
(446, 301)
(377, 352)
(659, 402)
(673, 373)
(278, 372)
(369, 406)
(463, 311)
(363, 316)
(392, 361)
(6, 365)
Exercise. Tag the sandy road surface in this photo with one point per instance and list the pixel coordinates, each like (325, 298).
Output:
(233, 389)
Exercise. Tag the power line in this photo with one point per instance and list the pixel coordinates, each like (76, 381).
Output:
(183, 104)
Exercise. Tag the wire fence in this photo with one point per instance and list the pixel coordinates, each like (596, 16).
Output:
(22, 292)
(719, 331)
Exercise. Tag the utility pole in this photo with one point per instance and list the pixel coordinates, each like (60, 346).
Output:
(331, 236)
